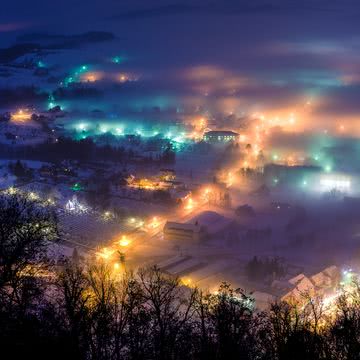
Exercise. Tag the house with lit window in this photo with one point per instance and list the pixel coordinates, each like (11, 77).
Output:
(183, 232)
(220, 136)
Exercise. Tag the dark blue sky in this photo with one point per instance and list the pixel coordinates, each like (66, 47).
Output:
(272, 52)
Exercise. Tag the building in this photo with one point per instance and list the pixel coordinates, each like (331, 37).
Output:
(212, 222)
(183, 232)
(220, 136)
(299, 287)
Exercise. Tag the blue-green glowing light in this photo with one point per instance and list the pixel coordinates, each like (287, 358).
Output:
(179, 139)
(77, 187)
(117, 59)
(82, 127)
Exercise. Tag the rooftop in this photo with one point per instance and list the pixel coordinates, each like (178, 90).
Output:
(221, 133)
(181, 226)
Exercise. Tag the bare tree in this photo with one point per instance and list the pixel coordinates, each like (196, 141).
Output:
(170, 308)
(292, 330)
(26, 227)
(74, 298)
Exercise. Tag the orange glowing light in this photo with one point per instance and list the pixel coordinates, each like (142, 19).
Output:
(206, 194)
(92, 76)
(124, 242)
(123, 78)
(186, 281)
(21, 116)
(105, 254)
(190, 204)
(230, 179)
(154, 222)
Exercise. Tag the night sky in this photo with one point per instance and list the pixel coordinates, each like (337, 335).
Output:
(267, 55)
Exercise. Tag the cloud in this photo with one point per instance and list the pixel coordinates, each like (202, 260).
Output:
(51, 41)
(226, 7)
(30, 43)
(9, 27)
(342, 101)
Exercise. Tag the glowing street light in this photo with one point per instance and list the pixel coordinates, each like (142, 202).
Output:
(105, 254)
(108, 215)
(190, 204)
(124, 241)
(186, 281)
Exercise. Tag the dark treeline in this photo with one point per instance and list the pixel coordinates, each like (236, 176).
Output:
(94, 311)
(82, 150)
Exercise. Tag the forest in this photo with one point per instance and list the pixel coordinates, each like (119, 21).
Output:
(83, 309)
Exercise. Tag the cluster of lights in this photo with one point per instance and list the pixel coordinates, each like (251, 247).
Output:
(105, 253)
(154, 223)
(135, 222)
(108, 216)
(91, 76)
(30, 195)
(21, 116)
(76, 76)
(119, 130)
(75, 207)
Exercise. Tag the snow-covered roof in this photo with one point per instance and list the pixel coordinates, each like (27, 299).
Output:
(181, 226)
(332, 271)
(304, 286)
(221, 133)
(212, 221)
(296, 279)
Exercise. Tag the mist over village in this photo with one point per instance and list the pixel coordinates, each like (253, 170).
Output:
(180, 180)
